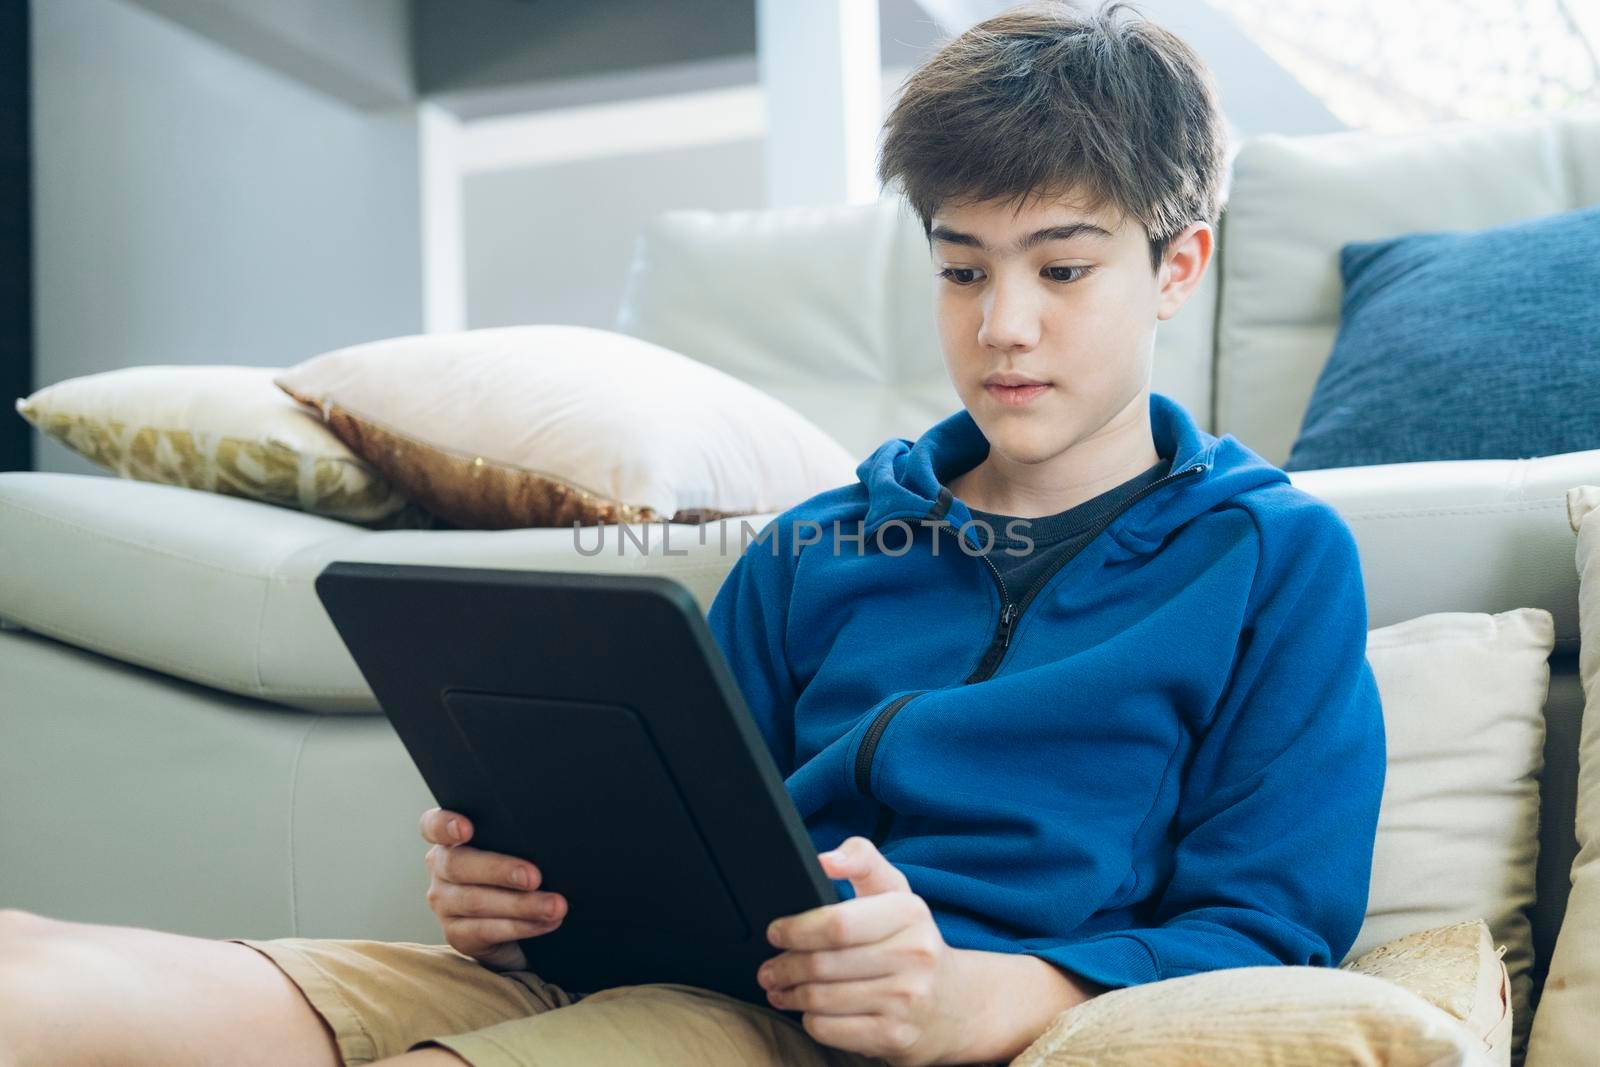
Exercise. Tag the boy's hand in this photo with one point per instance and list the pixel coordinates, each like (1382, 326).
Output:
(873, 974)
(485, 901)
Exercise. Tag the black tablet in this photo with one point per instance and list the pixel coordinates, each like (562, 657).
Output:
(588, 723)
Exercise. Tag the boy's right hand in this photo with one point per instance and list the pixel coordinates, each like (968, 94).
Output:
(478, 897)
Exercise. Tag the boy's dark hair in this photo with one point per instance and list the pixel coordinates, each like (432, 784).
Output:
(1049, 98)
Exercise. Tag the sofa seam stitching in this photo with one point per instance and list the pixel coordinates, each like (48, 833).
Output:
(85, 642)
(1525, 505)
(145, 546)
(294, 796)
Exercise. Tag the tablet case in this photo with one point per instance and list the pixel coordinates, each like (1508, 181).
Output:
(589, 724)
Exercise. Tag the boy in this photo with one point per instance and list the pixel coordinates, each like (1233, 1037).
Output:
(1136, 739)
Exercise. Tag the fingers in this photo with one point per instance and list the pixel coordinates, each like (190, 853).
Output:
(858, 921)
(441, 827)
(830, 965)
(859, 860)
(486, 901)
(881, 995)
(466, 865)
(482, 901)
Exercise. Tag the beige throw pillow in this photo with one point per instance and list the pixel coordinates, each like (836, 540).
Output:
(1422, 1001)
(553, 425)
(1463, 710)
(222, 429)
(1458, 969)
(1567, 1028)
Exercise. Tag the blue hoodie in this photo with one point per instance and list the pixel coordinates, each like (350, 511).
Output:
(1168, 760)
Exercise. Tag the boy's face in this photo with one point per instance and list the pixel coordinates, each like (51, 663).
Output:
(1076, 310)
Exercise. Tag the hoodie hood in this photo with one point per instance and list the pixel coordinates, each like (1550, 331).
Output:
(906, 480)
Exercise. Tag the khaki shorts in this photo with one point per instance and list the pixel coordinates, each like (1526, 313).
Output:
(383, 998)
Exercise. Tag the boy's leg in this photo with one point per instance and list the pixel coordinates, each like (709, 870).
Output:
(90, 993)
(73, 993)
(655, 1025)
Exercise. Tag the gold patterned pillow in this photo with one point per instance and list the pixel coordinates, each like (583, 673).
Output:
(222, 429)
(1456, 968)
(1440, 996)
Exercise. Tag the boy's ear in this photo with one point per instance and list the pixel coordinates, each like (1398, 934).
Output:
(1183, 266)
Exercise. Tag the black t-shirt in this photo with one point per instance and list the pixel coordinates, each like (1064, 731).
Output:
(1053, 536)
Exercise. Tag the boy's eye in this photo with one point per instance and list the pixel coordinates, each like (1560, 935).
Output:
(965, 275)
(1056, 273)
(958, 275)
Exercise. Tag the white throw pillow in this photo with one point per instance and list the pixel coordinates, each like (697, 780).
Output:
(221, 429)
(1463, 710)
(1567, 1028)
(549, 425)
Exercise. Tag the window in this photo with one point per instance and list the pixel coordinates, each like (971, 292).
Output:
(1385, 66)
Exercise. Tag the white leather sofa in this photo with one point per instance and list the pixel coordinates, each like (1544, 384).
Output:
(185, 743)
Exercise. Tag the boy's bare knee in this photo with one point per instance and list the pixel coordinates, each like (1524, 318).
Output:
(21, 934)
(17, 924)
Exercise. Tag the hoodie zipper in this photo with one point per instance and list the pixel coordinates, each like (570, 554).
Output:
(1009, 611)
(869, 742)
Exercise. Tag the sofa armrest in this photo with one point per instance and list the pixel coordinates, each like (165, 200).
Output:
(1463, 535)
(218, 590)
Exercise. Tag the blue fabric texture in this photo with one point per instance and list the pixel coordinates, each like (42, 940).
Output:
(1176, 761)
(1477, 344)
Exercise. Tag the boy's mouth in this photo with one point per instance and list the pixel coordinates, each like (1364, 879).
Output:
(1016, 395)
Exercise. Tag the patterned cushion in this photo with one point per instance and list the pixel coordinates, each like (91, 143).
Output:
(1456, 968)
(222, 429)
(1440, 996)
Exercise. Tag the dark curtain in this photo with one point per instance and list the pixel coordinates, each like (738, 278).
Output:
(16, 237)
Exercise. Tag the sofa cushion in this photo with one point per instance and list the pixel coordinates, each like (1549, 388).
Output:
(518, 426)
(1480, 344)
(1294, 201)
(1564, 1031)
(1458, 831)
(223, 429)
(1458, 968)
(830, 309)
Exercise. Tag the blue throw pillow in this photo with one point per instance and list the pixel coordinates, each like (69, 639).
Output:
(1477, 344)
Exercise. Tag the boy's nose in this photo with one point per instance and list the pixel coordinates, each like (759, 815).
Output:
(1010, 321)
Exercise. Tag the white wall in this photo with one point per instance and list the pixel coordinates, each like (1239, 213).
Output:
(553, 243)
(192, 206)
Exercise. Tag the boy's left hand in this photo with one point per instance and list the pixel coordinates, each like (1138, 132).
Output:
(872, 974)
